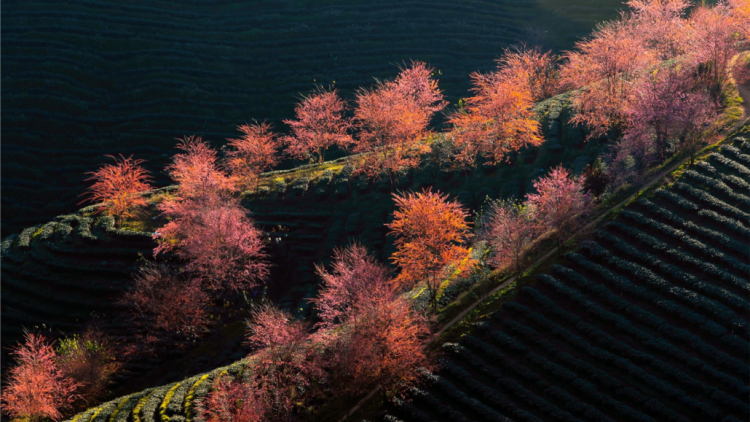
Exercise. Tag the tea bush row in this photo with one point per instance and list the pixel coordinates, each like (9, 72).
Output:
(710, 200)
(459, 396)
(719, 186)
(739, 168)
(436, 405)
(735, 153)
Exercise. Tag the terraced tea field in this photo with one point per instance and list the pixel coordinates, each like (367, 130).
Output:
(649, 321)
(84, 78)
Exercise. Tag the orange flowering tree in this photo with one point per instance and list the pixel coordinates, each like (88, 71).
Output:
(533, 67)
(251, 154)
(497, 120)
(431, 234)
(119, 186)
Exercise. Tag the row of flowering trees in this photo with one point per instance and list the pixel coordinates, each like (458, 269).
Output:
(367, 333)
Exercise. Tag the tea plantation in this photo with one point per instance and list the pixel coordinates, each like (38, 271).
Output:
(84, 78)
(647, 321)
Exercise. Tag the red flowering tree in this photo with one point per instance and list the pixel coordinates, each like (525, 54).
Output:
(119, 186)
(166, 305)
(510, 228)
(392, 118)
(320, 124)
(36, 386)
(232, 400)
(382, 344)
(88, 360)
(498, 119)
(560, 202)
(355, 276)
(431, 234)
(740, 10)
(286, 365)
(712, 45)
(537, 69)
(604, 69)
(251, 154)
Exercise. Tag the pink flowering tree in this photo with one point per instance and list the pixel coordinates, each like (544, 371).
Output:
(286, 364)
(36, 387)
(232, 400)
(661, 25)
(166, 306)
(320, 124)
(561, 203)
(354, 276)
(251, 154)
(217, 239)
(392, 119)
(604, 69)
(712, 42)
(510, 229)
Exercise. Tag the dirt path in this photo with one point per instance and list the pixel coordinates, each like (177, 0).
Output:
(744, 91)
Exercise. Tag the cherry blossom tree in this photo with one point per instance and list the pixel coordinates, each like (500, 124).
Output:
(232, 400)
(217, 239)
(355, 276)
(560, 202)
(166, 305)
(197, 170)
(537, 69)
(286, 365)
(36, 386)
(511, 229)
(88, 360)
(381, 345)
(603, 70)
(712, 45)
(740, 10)
(393, 117)
(251, 154)
(661, 25)
(320, 123)
(497, 120)
(431, 234)
(659, 103)
(119, 186)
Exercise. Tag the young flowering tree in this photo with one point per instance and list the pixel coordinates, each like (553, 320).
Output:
(631, 156)
(661, 25)
(560, 202)
(532, 67)
(320, 124)
(119, 186)
(498, 120)
(89, 361)
(511, 228)
(217, 239)
(380, 345)
(36, 387)
(431, 234)
(232, 400)
(286, 366)
(253, 153)
(166, 305)
(392, 118)
(604, 69)
(355, 276)
(712, 45)
(197, 170)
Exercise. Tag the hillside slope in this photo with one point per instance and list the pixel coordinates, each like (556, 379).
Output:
(648, 321)
(84, 78)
